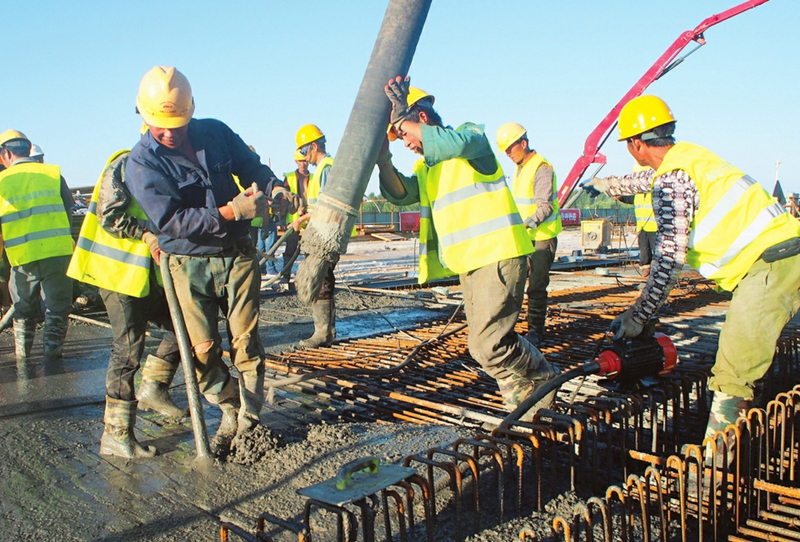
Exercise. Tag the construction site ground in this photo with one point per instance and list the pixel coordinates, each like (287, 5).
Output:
(55, 485)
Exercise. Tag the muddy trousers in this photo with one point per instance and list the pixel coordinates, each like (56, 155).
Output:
(230, 283)
(492, 301)
(763, 302)
(538, 280)
(43, 281)
(129, 316)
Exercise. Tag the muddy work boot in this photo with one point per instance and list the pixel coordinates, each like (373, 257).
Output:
(55, 331)
(228, 425)
(118, 438)
(324, 314)
(515, 388)
(24, 331)
(252, 397)
(153, 394)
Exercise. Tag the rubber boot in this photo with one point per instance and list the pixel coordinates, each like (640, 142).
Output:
(157, 375)
(55, 331)
(531, 371)
(324, 314)
(252, 397)
(221, 443)
(535, 334)
(118, 438)
(24, 331)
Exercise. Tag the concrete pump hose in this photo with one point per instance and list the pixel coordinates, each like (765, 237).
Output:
(328, 232)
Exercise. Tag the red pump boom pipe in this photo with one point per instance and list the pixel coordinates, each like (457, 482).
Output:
(664, 64)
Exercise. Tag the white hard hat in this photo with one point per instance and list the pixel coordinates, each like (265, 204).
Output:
(36, 150)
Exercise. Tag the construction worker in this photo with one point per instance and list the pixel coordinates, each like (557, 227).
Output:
(469, 226)
(37, 154)
(181, 173)
(311, 144)
(722, 223)
(534, 189)
(35, 208)
(114, 252)
(296, 181)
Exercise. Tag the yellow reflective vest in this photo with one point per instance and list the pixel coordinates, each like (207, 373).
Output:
(109, 262)
(35, 224)
(467, 219)
(314, 188)
(291, 178)
(643, 210)
(522, 188)
(736, 220)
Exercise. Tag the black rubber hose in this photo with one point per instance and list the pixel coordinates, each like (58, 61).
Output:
(589, 368)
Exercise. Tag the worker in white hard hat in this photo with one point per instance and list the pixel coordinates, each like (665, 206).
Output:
(181, 173)
(720, 221)
(37, 239)
(470, 227)
(37, 154)
(534, 188)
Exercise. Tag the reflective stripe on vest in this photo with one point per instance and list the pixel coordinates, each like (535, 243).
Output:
(106, 261)
(312, 194)
(471, 222)
(35, 224)
(643, 211)
(736, 220)
(522, 188)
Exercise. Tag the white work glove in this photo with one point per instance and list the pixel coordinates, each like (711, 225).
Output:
(152, 242)
(397, 91)
(595, 186)
(624, 326)
(249, 204)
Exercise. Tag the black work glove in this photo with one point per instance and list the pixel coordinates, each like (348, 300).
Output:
(397, 91)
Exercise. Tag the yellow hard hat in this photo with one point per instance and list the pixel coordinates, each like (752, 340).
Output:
(299, 157)
(10, 135)
(508, 134)
(641, 115)
(307, 134)
(165, 98)
(414, 95)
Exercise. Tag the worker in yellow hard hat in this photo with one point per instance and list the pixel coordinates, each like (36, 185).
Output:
(720, 221)
(534, 188)
(181, 173)
(36, 236)
(470, 227)
(296, 181)
(119, 255)
(311, 143)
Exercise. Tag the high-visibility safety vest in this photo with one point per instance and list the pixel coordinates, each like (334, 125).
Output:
(643, 210)
(522, 188)
(314, 188)
(291, 178)
(467, 220)
(257, 221)
(109, 262)
(35, 224)
(736, 221)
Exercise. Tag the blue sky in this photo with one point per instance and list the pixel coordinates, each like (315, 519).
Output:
(266, 68)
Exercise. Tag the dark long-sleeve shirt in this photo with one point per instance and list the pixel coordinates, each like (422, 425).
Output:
(182, 200)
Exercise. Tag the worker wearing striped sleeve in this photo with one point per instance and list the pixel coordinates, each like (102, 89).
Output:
(715, 218)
